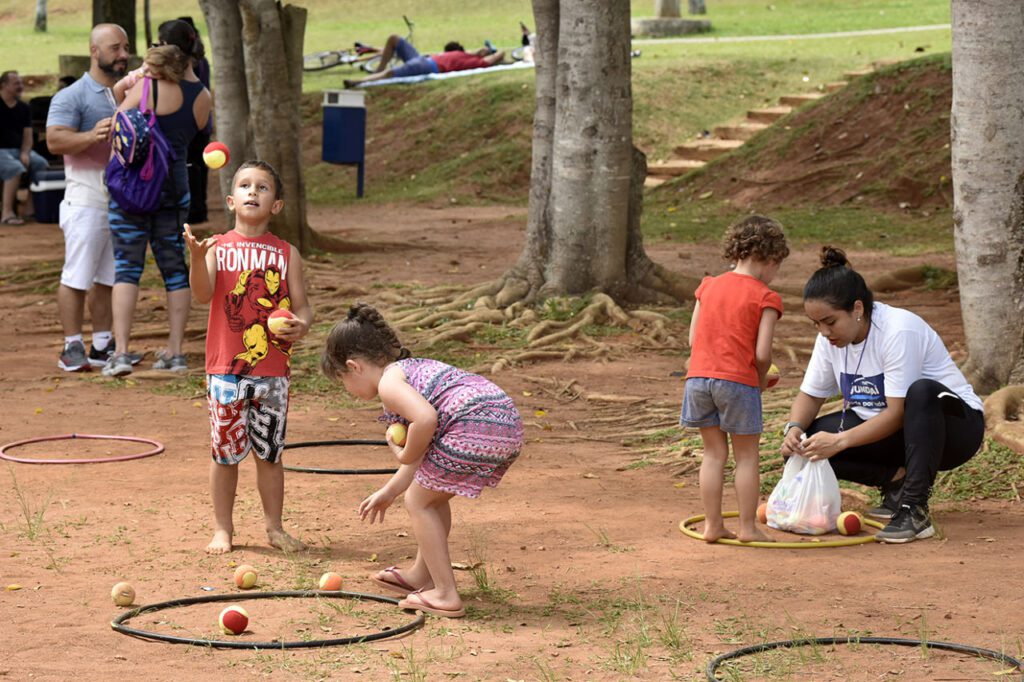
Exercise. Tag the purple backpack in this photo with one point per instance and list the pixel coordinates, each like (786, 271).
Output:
(142, 157)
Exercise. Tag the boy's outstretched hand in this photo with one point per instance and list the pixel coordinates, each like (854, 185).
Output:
(197, 249)
(375, 505)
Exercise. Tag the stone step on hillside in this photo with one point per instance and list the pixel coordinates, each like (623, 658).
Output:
(651, 181)
(768, 114)
(739, 131)
(836, 86)
(800, 100)
(673, 167)
(706, 150)
(858, 73)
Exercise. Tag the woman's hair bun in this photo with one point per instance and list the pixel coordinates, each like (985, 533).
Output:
(833, 257)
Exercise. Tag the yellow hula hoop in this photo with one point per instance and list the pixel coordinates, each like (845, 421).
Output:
(808, 544)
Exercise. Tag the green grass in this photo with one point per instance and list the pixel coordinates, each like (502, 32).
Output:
(672, 218)
(443, 20)
(775, 17)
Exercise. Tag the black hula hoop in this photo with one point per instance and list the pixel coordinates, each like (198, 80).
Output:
(768, 646)
(158, 447)
(118, 623)
(340, 472)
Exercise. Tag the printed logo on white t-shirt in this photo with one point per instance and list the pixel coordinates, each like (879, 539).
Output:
(867, 392)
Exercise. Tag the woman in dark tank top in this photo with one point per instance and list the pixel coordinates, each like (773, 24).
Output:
(183, 109)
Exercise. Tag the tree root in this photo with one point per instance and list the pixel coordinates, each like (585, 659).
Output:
(1004, 411)
(449, 315)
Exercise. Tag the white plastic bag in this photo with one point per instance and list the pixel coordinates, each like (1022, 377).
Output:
(807, 498)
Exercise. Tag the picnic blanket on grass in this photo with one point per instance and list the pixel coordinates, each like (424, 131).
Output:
(450, 74)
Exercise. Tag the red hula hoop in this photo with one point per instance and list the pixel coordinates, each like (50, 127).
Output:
(158, 447)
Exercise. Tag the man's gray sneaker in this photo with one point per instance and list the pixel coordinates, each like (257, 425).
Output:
(73, 358)
(118, 365)
(909, 524)
(170, 363)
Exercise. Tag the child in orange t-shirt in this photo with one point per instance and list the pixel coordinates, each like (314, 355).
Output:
(730, 353)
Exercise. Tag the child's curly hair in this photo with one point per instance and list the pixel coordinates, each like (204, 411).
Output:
(755, 237)
(363, 333)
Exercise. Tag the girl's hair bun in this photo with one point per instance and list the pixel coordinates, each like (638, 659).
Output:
(833, 257)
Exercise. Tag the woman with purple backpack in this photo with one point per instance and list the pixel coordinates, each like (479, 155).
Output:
(182, 105)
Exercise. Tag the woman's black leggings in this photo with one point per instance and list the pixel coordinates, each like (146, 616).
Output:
(938, 434)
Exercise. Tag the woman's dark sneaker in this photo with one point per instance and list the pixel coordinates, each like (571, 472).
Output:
(890, 502)
(909, 524)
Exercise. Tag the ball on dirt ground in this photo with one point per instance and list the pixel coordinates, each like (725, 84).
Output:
(849, 523)
(246, 577)
(215, 155)
(233, 620)
(276, 321)
(123, 594)
(773, 376)
(331, 581)
(762, 512)
(397, 432)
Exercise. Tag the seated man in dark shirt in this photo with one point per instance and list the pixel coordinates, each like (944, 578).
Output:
(454, 58)
(16, 155)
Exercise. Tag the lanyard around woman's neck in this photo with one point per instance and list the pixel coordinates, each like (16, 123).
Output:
(856, 372)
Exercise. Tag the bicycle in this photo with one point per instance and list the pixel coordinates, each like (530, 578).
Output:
(361, 56)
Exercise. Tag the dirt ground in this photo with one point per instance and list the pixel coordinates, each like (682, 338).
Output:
(580, 570)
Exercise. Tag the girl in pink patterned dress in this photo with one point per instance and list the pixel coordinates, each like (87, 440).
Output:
(463, 433)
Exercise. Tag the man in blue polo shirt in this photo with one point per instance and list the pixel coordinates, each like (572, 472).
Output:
(78, 126)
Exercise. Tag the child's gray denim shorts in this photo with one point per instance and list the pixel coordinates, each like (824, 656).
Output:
(734, 408)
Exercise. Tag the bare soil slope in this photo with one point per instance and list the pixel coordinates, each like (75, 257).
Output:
(882, 141)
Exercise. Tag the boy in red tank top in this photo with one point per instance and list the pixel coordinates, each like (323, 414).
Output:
(246, 274)
(730, 354)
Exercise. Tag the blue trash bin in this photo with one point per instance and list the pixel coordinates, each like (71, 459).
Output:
(345, 130)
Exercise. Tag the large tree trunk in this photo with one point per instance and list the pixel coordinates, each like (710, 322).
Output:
(120, 12)
(231, 101)
(583, 231)
(666, 9)
(987, 145)
(272, 41)
(41, 16)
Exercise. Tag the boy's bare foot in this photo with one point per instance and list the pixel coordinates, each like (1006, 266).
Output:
(220, 544)
(755, 536)
(715, 533)
(284, 542)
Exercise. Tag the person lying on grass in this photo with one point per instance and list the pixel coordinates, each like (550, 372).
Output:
(463, 434)
(453, 58)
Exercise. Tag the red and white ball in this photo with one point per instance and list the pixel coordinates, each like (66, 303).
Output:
(233, 620)
(246, 577)
(849, 523)
(215, 155)
(331, 581)
(277, 320)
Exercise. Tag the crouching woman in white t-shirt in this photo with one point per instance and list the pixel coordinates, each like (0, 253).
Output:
(908, 412)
